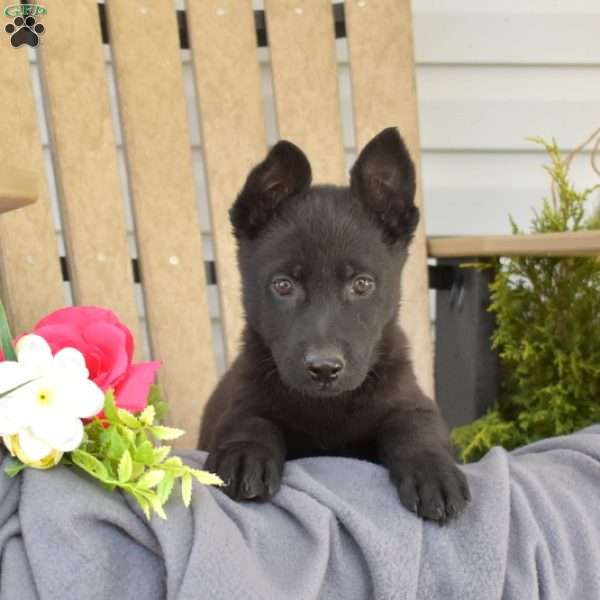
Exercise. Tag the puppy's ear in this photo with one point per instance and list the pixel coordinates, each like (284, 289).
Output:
(383, 178)
(284, 173)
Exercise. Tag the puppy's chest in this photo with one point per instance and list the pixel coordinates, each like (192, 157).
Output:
(328, 430)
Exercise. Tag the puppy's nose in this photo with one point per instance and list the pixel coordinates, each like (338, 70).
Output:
(323, 367)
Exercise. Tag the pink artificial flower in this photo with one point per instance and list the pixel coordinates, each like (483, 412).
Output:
(107, 346)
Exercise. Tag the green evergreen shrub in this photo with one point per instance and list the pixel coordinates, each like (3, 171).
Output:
(548, 332)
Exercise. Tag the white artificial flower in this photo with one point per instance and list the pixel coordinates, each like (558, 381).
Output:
(50, 395)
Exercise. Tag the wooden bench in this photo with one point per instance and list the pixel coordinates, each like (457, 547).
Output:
(145, 49)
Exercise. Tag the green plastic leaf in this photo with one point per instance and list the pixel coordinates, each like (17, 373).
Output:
(6, 336)
(117, 445)
(137, 469)
(148, 415)
(158, 509)
(173, 461)
(142, 501)
(127, 434)
(160, 453)
(150, 479)
(206, 477)
(145, 453)
(127, 418)
(110, 409)
(125, 467)
(111, 467)
(155, 400)
(103, 436)
(186, 489)
(14, 467)
(165, 487)
(141, 437)
(154, 395)
(166, 433)
(90, 463)
(108, 486)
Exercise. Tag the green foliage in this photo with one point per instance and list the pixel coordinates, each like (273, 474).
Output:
(13, 466)
(118, 451)
(6, 337)
(161, 408)
(548, 332)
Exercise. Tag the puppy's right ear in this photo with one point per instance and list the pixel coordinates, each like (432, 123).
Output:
(284, 173)
(383, 178)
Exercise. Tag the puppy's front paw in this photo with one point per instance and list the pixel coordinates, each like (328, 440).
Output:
(249, 470)
(432, 486)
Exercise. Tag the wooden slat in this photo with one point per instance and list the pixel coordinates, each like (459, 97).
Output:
(578, 243)
(302, 46)
(380, 46)
(85, 160)
(18, 188)
(146, 52)
(31, 283)
(227, 76)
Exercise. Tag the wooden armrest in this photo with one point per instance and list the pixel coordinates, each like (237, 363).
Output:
(17, 188)
(579, 243)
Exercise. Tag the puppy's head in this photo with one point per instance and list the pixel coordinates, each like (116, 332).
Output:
(321, 265)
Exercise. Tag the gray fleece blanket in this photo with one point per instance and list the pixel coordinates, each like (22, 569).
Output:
(335, 531)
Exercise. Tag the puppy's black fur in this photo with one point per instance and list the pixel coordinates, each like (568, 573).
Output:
(324, 367)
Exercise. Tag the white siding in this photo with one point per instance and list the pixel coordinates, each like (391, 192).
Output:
(490, 74)
(511, 32)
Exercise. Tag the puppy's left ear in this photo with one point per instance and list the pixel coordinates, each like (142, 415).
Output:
(383, 178)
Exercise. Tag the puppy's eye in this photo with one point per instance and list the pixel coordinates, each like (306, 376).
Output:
(282, 286)
(362, 286)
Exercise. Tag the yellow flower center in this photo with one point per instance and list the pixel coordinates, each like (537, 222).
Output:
(44, 397)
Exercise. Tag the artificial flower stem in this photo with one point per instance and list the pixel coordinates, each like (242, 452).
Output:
(6, 337)
(7, 392)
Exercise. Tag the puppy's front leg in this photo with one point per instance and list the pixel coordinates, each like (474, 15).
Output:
(413, 445)
(248, 453)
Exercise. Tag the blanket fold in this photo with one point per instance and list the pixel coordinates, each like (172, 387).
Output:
(336, 530)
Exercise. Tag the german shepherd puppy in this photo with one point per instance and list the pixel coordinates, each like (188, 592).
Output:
(325, 368)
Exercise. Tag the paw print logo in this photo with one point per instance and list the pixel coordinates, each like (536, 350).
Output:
(24, 31)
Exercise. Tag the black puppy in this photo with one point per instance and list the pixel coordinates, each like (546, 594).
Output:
(324, 367)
